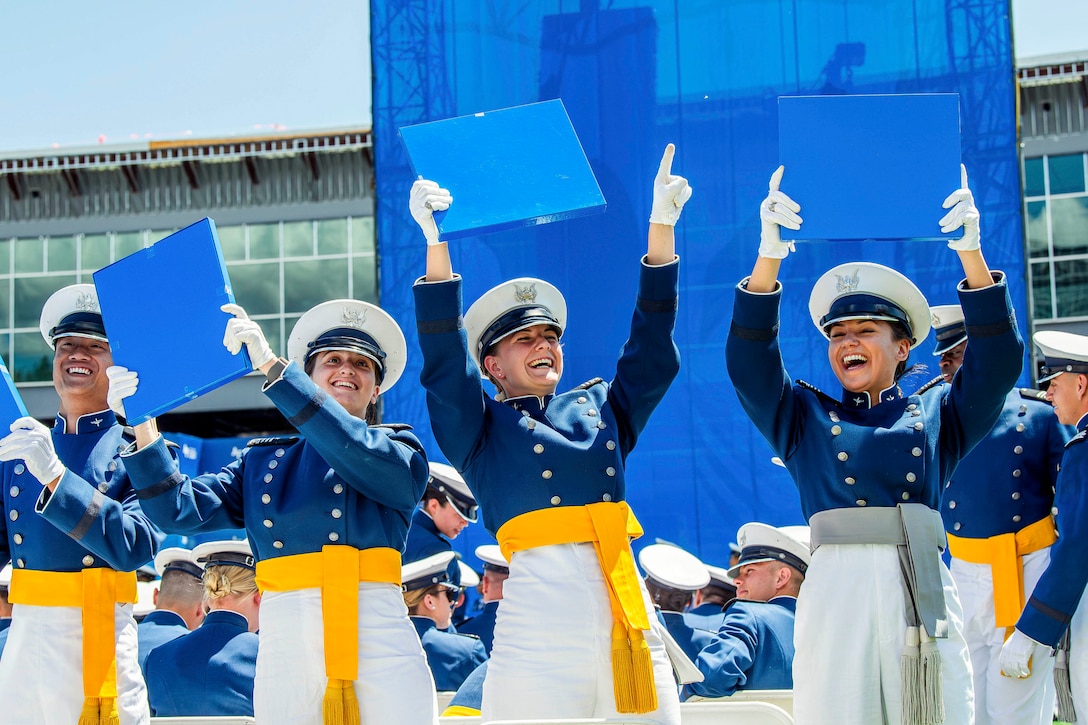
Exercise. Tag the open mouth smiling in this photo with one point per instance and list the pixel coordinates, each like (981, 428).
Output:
(853, 361)
(346, 384)
(542, 363)
(74, 370)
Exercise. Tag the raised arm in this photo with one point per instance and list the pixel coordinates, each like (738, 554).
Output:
(426, 198)
(776, 211)
(670, 194)
(964, 213)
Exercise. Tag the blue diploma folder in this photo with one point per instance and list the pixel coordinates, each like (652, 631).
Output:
(870, 167)
(160, 306)
(515, 167)
(11, 403)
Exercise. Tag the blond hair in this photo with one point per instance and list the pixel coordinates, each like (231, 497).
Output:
(414, 598)
(223, 580)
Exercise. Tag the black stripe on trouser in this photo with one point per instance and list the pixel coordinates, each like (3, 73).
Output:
(991, 330)
(310, 409)
(89, 516)
(763, 334)
(652, 306)
(438, 327)
(1050, 611)
(174, 479)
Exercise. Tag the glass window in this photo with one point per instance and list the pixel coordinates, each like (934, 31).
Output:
(5, 256)
(256, 286)
(1038, 245)
(364, 277)
(362, 234)
(62, 254)
(271, 329)
(298, 239)
(288, 327)
(232, 240)
(127, 243)
(1071, 287)
(94, 252)
(156, 235)
(264, 241)
(332, 236)
(1069, 225)
(31, 294)
(32, 360)
(1033, 177)
(1040, 290)
(5, 305)
(1066, 174)
(29, 256)
(310, 282)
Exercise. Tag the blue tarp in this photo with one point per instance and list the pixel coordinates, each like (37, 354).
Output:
(705, 74)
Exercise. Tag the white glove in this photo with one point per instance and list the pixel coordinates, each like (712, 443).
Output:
(1016, 653)
(123, 384)
(964, 214)
(244, 331)
(670, 192)
(427, 198)
(32, 442)
(777, 211)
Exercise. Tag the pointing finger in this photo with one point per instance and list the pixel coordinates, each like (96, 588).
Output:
(664, 171)
(963, 176)
(776, 178)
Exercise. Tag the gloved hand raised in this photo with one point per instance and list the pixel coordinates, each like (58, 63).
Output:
(32, 442)
(428, 197)
(777, 211)
(670, 192)
(1016, 654)
(964, 214)
(123, 384)
(244, 331)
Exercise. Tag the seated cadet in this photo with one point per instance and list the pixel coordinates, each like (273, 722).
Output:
(209, 672)
(178, 601)
(430, 598)
(754, 648)
(5, 606)
(672, 578)
(446, 509)
(469, 580)
(496, 572)
(708, 606)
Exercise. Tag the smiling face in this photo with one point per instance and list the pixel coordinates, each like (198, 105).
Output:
(760, 581)
(527, 362)
(348, 377)
(951, 361)
(79, 373)
(864, 355)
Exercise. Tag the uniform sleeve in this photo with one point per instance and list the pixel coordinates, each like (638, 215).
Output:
(1054, 599)
(991, 365)
(388, 469)
(119, 531)
(727, 660)
(180, 504)
(650, 359)
(1057, 436)
(754, 362)
(455, 395)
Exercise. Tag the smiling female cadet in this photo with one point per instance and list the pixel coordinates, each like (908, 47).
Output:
(870, 465)
(326, 513)
(548, 469)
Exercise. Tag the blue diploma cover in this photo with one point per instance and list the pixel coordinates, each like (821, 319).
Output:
(515, 167)
(11, 403)
(870, 167)
(160, 306)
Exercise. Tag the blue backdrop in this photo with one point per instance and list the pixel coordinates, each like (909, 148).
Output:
(706, 75)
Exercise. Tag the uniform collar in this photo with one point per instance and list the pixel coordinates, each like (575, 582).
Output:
(227, 616)
(862, 401)
(532, 403)
(1082, 424)
(89, 423)
(165, 616)
(423, 624)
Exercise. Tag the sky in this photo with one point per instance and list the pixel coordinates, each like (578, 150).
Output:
(78, 73)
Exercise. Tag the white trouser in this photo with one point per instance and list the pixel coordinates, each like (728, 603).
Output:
(850, 631)
(394, 685)
(1078, 658)
(1000, 700)
(41, 672)
(553, 642)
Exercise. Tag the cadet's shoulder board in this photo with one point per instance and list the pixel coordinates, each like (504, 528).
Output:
(273, 441)
(410, 440)
(589, 384)
(1078, 438)
(1033, 394)
(930, 385)
(819, 393)
(394, 427)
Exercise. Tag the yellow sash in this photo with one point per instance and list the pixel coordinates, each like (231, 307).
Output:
(94, 591)
(1005, 555)
(610, 526)
(336, 571)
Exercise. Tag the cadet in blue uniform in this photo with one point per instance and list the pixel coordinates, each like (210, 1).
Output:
(430, 598)
(469, 697)
(996, 510)
(753, 650)
(1059, 601)
(179, 601)
(548, 471)
(446, 509)
(496, 572)
(326, 513)
(870, 464)
(672, 578)
(72, 524)
(209, 672)
(710, 602)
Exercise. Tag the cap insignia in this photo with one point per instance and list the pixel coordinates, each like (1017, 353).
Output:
(526, 293)
(86, 302)
(353, 317)
(849, 283)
